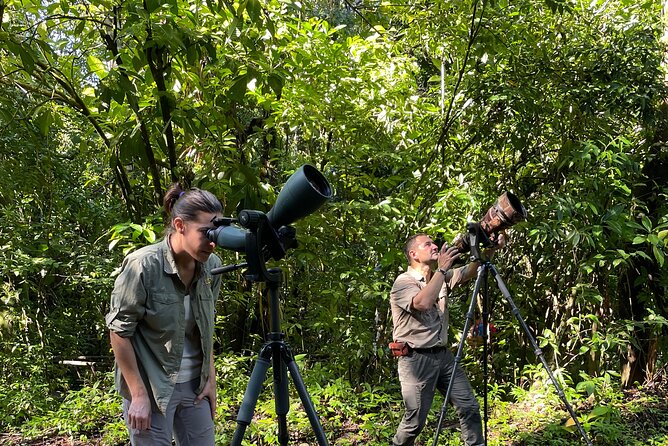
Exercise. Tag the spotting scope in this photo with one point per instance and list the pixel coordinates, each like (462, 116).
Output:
(305, 191)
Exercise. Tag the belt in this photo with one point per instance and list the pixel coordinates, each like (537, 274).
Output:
(428, 350)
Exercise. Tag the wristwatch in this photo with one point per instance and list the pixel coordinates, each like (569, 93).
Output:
(442, 271)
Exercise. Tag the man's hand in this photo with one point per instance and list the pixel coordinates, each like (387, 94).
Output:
(498, 240)
(139, 413)
(447, 256)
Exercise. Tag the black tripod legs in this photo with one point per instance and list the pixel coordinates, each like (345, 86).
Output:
(306, 402)
(283, 361)
(469, 320)
(281, 401)
(275, 352)
(538, 351)
(482, 278)
(251, 395)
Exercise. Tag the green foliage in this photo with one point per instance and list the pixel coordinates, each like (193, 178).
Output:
(103, 106)
(82, 414)
(368, 414)
(130, 236)
(23, 397)
(53, 275)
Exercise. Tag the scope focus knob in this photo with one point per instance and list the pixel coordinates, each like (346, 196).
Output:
(250, 219)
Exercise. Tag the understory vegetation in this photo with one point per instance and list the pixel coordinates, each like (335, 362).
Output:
(368, 414)
(420, 114)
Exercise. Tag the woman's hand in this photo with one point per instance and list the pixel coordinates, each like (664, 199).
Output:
(209, 392)
(139, 413)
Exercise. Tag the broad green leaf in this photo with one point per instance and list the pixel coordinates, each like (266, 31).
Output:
(658, 255)
(44, 119)
(27, 59)
(97, 66)
(647, 223)
(254, 9)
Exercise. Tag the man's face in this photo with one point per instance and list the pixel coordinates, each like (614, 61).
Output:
(424, 250)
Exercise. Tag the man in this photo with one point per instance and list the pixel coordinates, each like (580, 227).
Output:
(419, 301)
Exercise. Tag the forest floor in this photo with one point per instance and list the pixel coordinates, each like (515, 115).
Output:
(651, 420)
(14, 440)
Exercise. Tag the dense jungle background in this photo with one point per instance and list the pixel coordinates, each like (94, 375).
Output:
(420, 114)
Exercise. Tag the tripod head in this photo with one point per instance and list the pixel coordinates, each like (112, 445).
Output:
(478, 240)
(262, 242)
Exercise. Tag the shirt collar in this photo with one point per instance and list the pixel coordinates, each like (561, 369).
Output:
(416, 274)
(170, 264)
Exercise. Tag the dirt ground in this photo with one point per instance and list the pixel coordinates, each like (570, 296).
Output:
(15, 440)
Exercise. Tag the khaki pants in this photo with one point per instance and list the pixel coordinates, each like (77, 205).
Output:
(188, 423)
(420, 375)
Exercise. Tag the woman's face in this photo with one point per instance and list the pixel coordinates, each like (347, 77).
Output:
(193, 233)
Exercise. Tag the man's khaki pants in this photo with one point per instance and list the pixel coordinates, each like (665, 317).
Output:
(420, 375)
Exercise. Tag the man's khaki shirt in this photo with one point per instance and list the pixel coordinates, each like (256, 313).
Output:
(421, 329)
(147, 307)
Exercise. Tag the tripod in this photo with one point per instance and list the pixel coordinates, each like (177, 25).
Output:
(275, 352)
(477, 239)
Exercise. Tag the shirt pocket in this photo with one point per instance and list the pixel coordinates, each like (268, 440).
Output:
(206, 299)
(204, 289)
(164, 315)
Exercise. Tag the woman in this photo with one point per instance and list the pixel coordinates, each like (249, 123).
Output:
(161, 327)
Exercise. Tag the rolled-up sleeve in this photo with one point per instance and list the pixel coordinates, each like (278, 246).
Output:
(456, 277)
(128, 299)
(405, 288)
